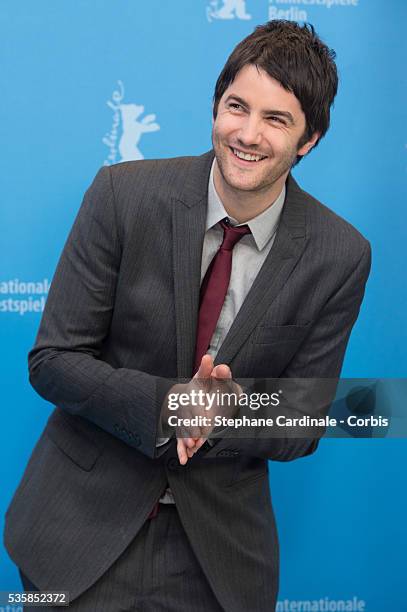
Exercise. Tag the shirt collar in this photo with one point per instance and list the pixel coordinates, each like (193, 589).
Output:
(263, 227)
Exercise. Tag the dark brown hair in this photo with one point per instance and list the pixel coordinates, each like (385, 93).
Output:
(298, 59)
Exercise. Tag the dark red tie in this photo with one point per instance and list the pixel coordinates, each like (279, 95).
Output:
(214, 288)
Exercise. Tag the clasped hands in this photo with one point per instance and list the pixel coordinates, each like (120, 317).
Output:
(208, 380)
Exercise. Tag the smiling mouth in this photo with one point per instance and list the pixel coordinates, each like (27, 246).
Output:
(249, 157)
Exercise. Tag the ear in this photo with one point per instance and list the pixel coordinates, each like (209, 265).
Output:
(306, 148)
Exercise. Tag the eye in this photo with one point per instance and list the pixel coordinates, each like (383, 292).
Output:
(276, 119)
(235, 106)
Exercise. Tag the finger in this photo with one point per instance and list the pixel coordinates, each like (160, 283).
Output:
(221, 371)
(199, 443)
(192, 446)
(189, 442)
(205, 368)
(182, 454)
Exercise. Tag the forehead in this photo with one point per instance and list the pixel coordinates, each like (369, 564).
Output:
(262, 92)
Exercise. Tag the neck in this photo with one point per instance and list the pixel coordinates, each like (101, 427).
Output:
(245, 205)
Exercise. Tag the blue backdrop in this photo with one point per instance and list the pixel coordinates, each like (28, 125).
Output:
(92, 82)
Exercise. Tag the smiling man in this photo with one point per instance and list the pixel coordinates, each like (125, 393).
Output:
(209, 269)
(258, 133)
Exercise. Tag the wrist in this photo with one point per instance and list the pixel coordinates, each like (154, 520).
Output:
(164, 429)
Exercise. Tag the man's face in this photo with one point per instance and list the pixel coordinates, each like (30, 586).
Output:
(257, 117)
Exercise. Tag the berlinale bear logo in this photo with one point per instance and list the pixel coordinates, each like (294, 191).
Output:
(231, 9)
(126, 120)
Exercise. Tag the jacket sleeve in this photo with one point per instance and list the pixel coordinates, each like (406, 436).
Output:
(65, 364)
(320, 357)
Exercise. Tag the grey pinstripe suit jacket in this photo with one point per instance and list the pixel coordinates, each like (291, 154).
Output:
(120, 319)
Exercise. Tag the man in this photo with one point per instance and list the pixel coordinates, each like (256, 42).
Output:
(127, 314)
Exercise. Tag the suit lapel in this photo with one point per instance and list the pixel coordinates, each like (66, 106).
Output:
(188, 222)
(287, 249)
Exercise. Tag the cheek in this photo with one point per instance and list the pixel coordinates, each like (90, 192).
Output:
(281, 142)
(225, 125)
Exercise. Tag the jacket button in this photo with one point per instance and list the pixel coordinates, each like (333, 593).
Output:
(173, 463)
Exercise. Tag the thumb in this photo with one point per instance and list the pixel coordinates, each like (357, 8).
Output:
(205, 368)
(221, 371)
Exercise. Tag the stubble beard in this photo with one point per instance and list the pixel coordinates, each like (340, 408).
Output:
(259, 183)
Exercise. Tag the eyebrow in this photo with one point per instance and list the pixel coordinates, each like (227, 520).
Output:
(279, 113)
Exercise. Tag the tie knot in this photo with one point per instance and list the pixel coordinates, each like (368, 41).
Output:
(232, 235)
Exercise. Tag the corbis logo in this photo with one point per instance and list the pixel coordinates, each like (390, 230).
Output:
(228, 9)
(127, 129)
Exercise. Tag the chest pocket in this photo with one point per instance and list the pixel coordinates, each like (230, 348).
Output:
(273, 334)
(274, 346)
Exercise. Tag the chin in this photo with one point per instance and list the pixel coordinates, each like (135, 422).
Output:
(244, 185)
(244, 182)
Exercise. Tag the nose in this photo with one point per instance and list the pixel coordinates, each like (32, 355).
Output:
(250, 131)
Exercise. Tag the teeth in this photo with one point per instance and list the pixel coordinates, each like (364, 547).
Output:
(247, 156)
